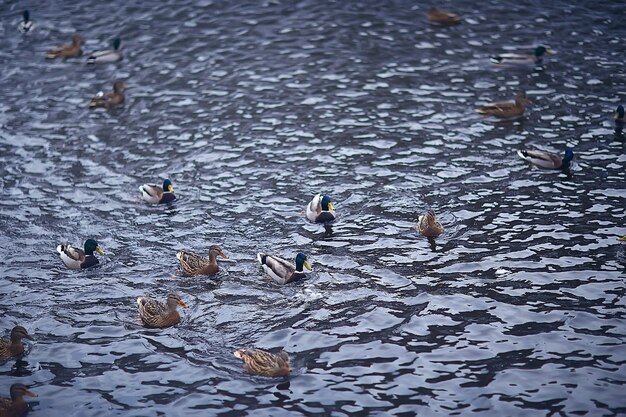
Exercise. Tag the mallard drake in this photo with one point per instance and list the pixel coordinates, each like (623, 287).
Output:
(13, 346)
(26, 25)
(428, 225)
(16, 406)
(282, 271)
(75, 258)
(321, 210)
(192, 264)
(535, 58)
(154, 194)
(263, 363)
(547, 160)
(111, 98)
(67, 51)
(620, 117)
(154, 313)
(506, 109)
(109, 55)
(442, 17)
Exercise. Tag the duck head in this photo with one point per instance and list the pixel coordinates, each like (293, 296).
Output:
(174, 300)
(327, 204)
(18, 333)
(541, 50)
(567, 158)
(167, 186)
(20, 390)
(215, 251)
(301, 260)
(77, 40)
(119, 86)
(117, 42)
(619, 112)
(26, 16)
(90, 246)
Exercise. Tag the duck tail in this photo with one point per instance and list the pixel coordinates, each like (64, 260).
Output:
(261, 257)
(496, 59)
(522, 153)
(91, 60)
(61, 248)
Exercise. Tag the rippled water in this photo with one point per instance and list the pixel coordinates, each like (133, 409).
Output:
(253, 108)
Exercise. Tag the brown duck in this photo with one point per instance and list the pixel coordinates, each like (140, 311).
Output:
(16, 406)
(506, 109)
(263, 363)
(154, 313)
(428, 225)
(192, 264)
(13, 346)
(442, 17)
(67, 51)
(111, 98)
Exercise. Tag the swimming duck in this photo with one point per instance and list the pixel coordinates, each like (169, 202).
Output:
(26, 25)
(263, 363)
(428, 225)
(506, 109)
(192, 264)
(442, 17)
(282, 271)
(110, 99)
(547, 160)
(522, 59)
(75, 258)
(67, 51)
(321, 210)
(109, 55)
(620, 117)
(13, 346)
(16, 406)
(154, 313)
(154, 194)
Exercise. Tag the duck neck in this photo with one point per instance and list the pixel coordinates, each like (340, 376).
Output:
(299, 265)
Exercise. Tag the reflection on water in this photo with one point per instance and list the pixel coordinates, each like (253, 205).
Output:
(253, 109)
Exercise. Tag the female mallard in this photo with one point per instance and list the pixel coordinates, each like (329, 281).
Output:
(67, 51)
(26, 25)
(321, 210)
(620, 117)
(282, 271)
(506, 109)
(13, 346)
(522, 59)
(109, 55)
(263, 363)
(192, 264)
(154, 194)
(154, 313)
(75, 258)
(442, 17)
(16, 406)
(428, 225)
(547, 160)
(111, 98)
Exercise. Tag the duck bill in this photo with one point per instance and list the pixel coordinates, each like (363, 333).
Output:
(29, 393)
(100, 251)
(170, 189)
(307, 265)
(549, 51)
(331, 207)
(29, 337)
(222, 255)
(182, 304)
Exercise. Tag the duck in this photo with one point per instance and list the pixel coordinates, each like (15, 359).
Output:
(109, 55)
(67, 51)
(281, 270)
(26, 25)
(548, 160)
(192, 264)
(16, 406)
(76, 258)
(536, 58)
(153, 194)
(154, 313)
(622, 239)
(321, 210)
(428, 225)
(264, 363)
(13, 346)
(111, 98)
(620, 116)
(506, 109)
(442, 17)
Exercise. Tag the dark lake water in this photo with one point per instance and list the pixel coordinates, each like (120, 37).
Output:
(253, 108)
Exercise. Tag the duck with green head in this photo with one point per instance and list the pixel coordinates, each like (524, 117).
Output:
(153, 194)
(281, 270)
(619, 116)
(536, 58)
(548, 160)
(75, 258)
(26, 25)
(321, 210)
(107, 56)
(16, 406)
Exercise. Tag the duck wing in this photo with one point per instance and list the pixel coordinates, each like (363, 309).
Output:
(542, 159)
(151, 193)
(151, 311)
(191, 263)
(314, 208)
(279, 269)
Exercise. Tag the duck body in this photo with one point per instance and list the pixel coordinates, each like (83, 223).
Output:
(108, 56)
(67, 51)
(26, 25)
(522, 59)
(110, 99)
(153, 194)
(620, 116)
(156, 314)
(263, 363)
(16, 406)
(321, 210)
(548, 160)
(428, 225)
(13, 346)
(506, 109)
(442, 17)
(281, 270)
(76, 258)
(193, 264)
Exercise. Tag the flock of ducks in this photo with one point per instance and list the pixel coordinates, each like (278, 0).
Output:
(320, 210)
